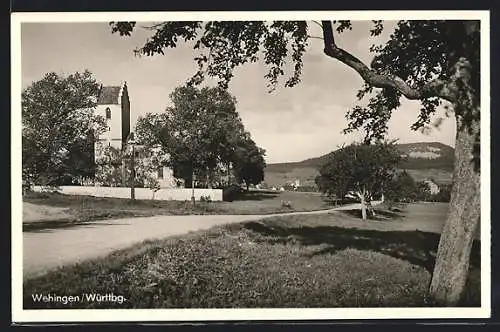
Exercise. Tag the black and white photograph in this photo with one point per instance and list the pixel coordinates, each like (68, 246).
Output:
(250, 165)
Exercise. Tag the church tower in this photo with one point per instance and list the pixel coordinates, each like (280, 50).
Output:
(113, 104)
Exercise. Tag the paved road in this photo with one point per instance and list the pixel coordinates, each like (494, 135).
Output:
(48, 249)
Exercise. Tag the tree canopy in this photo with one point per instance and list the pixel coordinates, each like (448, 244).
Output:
(201, 132)
(59, 126)
(401, 188)
(249, 163)
(364, 169)
(421, 61)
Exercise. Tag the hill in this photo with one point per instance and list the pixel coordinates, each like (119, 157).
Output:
(422, 161)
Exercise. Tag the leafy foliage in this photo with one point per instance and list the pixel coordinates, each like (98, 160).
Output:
(402, 188)
(418, 53)
(226, 45)
(249, 162)
(425, 194)
(149, 159)
(201, 133)
(114, 166)
(109, 162)
(59, 127)
(365, 169)
(79, 166)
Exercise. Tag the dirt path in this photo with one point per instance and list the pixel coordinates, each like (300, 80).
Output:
(47, 249)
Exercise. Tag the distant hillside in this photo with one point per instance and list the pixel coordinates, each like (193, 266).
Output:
(427, 155)
(422, 160)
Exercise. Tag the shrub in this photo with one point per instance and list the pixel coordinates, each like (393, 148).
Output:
(232, 192)
(206, 199)
(287, 204)
(444, 194)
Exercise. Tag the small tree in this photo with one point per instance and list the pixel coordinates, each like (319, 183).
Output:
(424, 191)
(249, 162)
(149, 159)
(444, 194)
(363, 169)
(401, 189)
(109, 166)
(154, 186)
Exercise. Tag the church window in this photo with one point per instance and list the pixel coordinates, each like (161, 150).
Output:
(108, 113)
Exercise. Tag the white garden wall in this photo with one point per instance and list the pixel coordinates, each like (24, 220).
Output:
(177, 194)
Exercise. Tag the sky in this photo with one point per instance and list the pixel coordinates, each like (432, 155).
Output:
(291, 124)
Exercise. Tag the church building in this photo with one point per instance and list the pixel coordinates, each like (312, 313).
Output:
(113, 104)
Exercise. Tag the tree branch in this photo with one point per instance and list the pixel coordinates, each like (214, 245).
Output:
(319, 24)
(153, 27)
(315, 37)
(435, 88)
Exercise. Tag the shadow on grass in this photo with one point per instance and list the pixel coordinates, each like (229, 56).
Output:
(256, 196)
(379, 214)
(416, 247)
(53, 225)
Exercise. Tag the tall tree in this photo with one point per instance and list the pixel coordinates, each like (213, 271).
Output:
(364, 169)
(249, 163)
(199, 132)
(58, 117)
(148, 128)
(430, 61)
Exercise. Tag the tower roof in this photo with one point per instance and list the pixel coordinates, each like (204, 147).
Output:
(109, 95)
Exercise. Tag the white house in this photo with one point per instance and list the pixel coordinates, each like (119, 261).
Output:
(433, 187)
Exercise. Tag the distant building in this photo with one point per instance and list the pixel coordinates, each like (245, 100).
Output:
(433, 187)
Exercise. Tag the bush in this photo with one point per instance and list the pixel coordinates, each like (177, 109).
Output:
(443, 196)
(206, 199)
(307, 189)
(232, 192)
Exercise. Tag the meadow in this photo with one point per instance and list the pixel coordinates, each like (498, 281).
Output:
(330, 260)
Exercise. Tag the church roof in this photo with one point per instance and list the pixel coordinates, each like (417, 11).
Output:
(109, 95)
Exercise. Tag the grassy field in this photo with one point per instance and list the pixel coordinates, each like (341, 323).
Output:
(333, 260)
(307, 175)
(42, 209)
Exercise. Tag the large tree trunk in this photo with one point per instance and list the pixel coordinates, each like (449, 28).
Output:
(452, 261)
